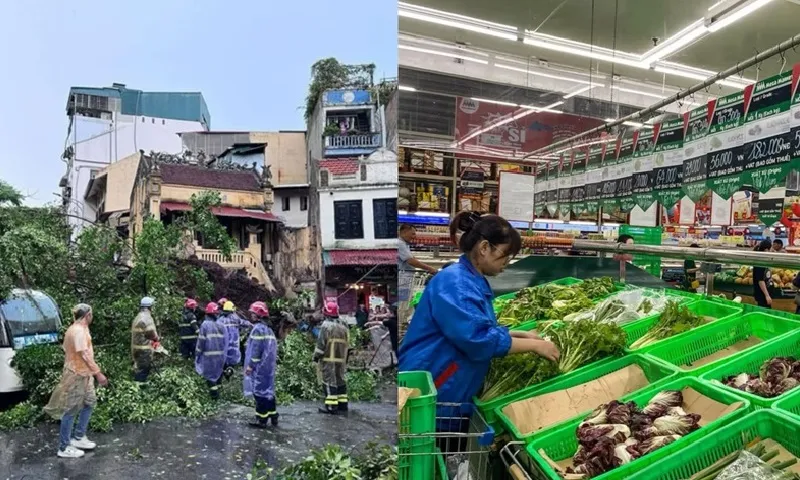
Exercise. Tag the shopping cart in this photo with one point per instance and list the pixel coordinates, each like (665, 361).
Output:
(406, 309)
(518, 463)
(460, 449)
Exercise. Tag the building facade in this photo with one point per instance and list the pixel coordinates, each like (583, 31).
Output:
(109, 124)
(353, 198)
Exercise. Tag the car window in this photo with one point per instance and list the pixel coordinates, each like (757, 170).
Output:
(30, 313)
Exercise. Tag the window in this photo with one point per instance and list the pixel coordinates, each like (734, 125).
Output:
(363, 173)
(385, 212)
(348, 219)
(303, 203)
(286, 203)
(323, 178)
(30, 313)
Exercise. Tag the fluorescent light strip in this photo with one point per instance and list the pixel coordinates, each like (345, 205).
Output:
(407, 89)
(442, 54)
(737, 15)
(582, 52)
(696, 76)
(581, 90)
(422, 41)
(676, 42)
(462, 22)
(495, 101)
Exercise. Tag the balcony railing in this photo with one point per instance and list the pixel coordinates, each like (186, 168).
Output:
(370, 140)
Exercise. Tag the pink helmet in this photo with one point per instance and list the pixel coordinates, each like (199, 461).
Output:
(260, 309)
(190, 303)
(212, 308)
(331, 309)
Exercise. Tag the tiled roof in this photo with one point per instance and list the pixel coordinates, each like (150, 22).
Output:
(359, 257)
(340, 166)
(224, 211)
(196, 176)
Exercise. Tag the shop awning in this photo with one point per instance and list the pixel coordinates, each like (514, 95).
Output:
(359, 257)
(223, 211)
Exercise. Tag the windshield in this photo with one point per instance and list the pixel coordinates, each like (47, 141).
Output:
(30, 313)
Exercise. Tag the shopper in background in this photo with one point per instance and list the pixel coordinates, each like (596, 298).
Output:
(624, 257)
(761, 278)
(690, 270)
(406, 265)
(796, 284)
(777, 246)
(75, 394)
(454, 333)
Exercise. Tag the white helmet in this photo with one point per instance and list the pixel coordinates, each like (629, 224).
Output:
(147, 302)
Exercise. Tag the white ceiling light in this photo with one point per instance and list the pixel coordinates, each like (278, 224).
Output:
(676, 42)
(637, 92)
(696, 76)
(745, 10)
(442, 54)
(407, 89)
(630, 124)
(543, 74)
(495, 102)
(583, 52)
(580, 90)
(463, 22)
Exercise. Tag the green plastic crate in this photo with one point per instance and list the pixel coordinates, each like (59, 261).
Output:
(561, 443)
(416, 455)
(682, 293)
(750, 362)
(441, 467)
(639, 328)
(656, 373)
(789, 404)
(716, 445)
(691, 346)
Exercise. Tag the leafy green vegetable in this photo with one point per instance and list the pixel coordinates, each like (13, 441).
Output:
(597, 287)
(550, 301)
(675, 319)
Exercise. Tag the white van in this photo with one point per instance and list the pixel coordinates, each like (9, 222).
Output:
(27, 317)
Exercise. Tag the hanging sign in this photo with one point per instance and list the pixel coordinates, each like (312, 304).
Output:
(668, 161)
(472, 183)
(540, 189)
(643, 174)
(794, 124)
(565, 184)
(625, 173)
(552, 187)
(579, 182)
(767, 137)
(695, 151)
(770, 210)
(594, 177)
(725, 162)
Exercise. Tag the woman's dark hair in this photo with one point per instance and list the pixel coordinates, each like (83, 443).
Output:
(494, 229)
(624, 238)
(764, 246)
(778, 241)
(694, 245)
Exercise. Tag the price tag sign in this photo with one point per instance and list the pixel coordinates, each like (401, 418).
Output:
(725, 162)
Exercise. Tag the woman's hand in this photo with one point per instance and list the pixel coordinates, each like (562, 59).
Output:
(769, 300)
(533, 334)
(547, 350)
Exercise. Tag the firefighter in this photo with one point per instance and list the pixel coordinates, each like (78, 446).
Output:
(331, 357)
(233, 324)
(212, 342)
(260, 361)
(144, 339)
(188, 328)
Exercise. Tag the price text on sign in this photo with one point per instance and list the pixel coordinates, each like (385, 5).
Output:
(694, 169)
(767, 151)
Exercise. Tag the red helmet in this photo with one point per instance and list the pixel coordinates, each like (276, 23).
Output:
(212, 308)
(260, 309)
(222, 301)
(331, 309)
(190, 303)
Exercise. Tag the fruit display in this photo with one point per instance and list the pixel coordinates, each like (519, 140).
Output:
(781, 277)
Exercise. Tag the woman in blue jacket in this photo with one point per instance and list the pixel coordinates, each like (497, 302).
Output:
(454, 333)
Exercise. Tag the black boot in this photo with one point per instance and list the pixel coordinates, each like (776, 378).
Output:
(258, 422)
(274, 420)
(328, 409)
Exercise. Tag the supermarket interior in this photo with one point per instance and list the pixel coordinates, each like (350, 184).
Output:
(586, 123)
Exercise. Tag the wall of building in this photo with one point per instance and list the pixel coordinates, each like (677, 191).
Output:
(121, 177)
(294, 217)
(298, 258)
(366, 195)
(231, 198)
(286, 154)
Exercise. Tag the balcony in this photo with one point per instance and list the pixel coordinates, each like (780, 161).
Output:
(352, 144)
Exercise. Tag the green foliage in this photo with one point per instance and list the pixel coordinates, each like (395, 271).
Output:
(328, 74)
(25, 414)
(9, 195)
(333, 463)
(201, 219)
(296, 306)
(383, 91)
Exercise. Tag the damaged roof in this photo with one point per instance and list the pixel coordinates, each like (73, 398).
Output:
(197, 176)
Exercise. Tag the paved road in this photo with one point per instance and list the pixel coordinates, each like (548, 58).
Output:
(222, 448)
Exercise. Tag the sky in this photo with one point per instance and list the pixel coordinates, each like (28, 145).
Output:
(251, 61)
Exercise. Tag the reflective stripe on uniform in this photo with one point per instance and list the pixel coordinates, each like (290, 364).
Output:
(258, 337)
(266, 415)
(142, 347)
(213, 352)
(189, 337)
(331, 400)
(255, 360)
(215, 387)
(343, 398)
(184, 324)
(215, 335)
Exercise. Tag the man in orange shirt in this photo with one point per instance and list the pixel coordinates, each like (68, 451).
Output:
(75, 394)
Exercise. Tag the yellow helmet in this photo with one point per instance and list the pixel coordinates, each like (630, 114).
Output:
(228, 307)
